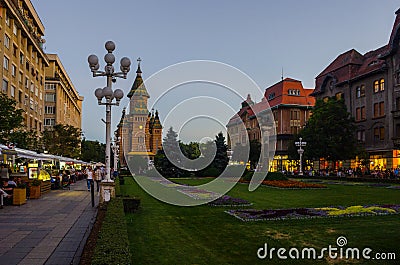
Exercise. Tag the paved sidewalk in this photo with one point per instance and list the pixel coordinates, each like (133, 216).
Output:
(50, 230)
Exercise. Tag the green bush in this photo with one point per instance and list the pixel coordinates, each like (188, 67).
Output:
(211, 172)
(112, 245)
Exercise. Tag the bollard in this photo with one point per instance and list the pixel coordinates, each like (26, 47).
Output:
(92, 192)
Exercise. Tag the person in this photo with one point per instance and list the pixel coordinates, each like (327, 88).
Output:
(4, 173)
(8, 189)
(89, 173)
(11, 181)
(73, 176)
(98, 176)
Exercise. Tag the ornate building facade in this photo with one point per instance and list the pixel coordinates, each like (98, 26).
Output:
(370, 86)
(140, 129)
(291, 106)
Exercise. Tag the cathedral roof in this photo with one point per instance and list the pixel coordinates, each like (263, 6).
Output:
(121, 122)
(138, 87)
(157, 123)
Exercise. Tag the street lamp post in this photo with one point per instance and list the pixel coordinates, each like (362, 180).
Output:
(115, 148)
(107, 92)
(300, 144)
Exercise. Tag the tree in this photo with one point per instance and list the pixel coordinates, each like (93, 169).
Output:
(255, 151)
(221, 157)
(161, 161)
(93, 151)
(330, 132)
(30, 140)
(63, 140)
(10, 118)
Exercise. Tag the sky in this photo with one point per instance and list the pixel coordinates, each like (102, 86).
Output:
(259, 38)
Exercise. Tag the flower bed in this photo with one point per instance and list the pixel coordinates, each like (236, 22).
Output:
(228, 201)
(304, 213)
(292, 184)
(198, 194)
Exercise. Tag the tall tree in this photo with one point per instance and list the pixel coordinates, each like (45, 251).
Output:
(330, 132)
(93, 151)
(10, 118)
(221, 157)
(63, 140)
(161, 162)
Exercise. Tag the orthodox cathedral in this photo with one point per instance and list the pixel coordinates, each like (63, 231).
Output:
(140, 129)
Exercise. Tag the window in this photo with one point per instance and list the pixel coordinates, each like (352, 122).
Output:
(363, 114)
(20, 77)
(50, 97)
(7, 19)
(6, 62)
(26, 100)
(15, 29)
(360, 114)
(379, 109)
(49, 122)
(376, 86)
(40, 95)
(36, 91)
(49, 110)
(7, 41)
(294, 121)
(360, 91)
(382, 84)
(12, 91)
(339, 96)
(50, 86)
(5, 86)
(21, 58)
(14, 70)
(31, 104)
(32, 87)
(26, 82)
(379, 133)
(361, 136)
(15, 48)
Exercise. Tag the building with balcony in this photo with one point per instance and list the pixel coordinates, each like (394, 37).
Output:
(291, 106)
(370, 86)
(23, 62)
(62, 103)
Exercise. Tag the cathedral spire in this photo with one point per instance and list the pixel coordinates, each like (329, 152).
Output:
(139, 71)
(138, 87)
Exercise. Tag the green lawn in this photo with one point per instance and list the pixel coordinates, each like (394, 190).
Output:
(160, 233)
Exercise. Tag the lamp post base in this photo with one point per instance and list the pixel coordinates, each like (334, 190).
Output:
(107, 191)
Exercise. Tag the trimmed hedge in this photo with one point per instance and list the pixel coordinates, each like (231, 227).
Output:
(112, 243)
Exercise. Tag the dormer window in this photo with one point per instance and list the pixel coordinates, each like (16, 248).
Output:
(294, 92)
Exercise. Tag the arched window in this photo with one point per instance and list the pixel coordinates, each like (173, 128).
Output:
(376, 86)
(382, 84)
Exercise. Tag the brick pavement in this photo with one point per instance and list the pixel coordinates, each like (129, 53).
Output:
(50, 230)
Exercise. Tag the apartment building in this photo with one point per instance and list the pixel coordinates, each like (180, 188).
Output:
(62, 103)
(23, 61)
(370, 86)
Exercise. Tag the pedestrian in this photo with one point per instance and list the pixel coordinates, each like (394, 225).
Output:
(4, 173)
(89, 178)
(98, 178)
